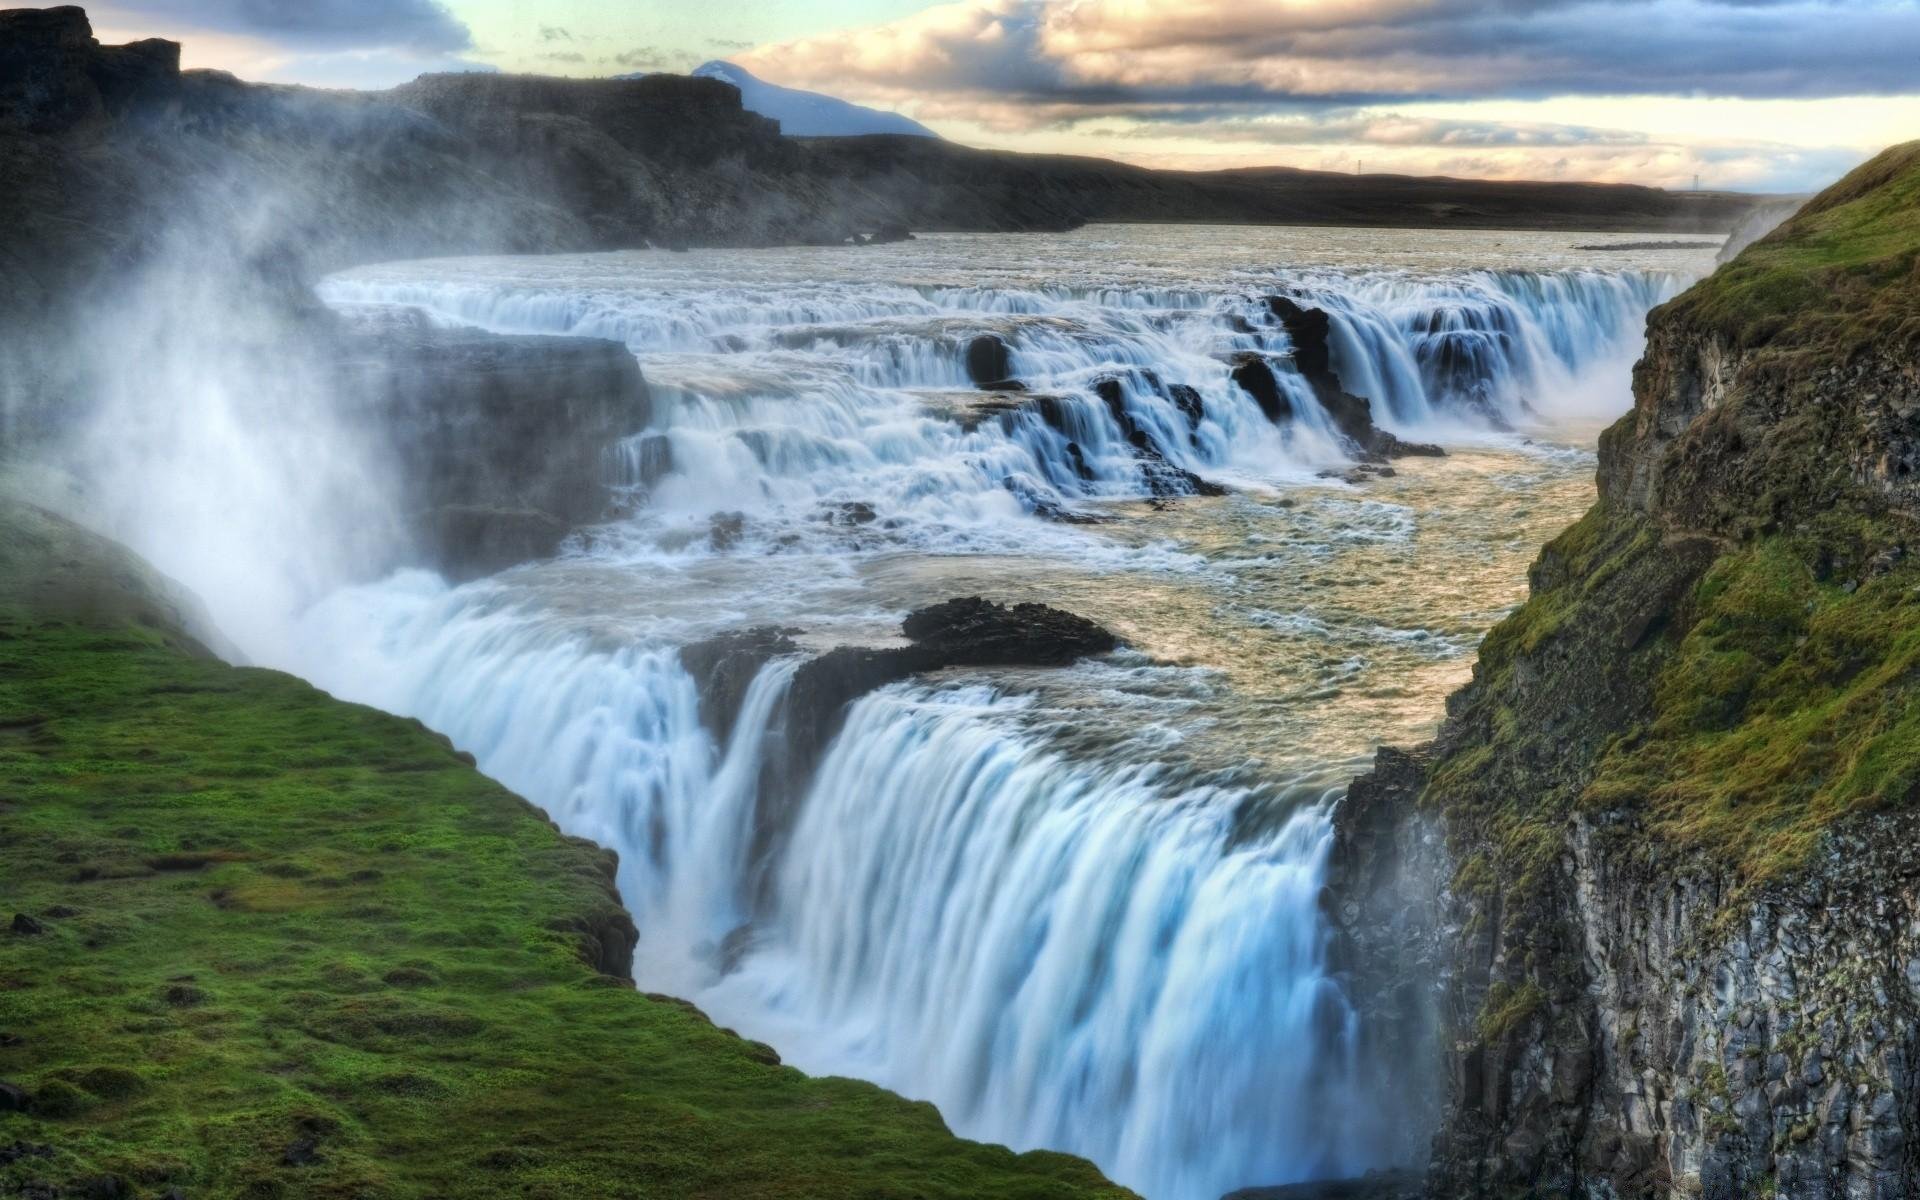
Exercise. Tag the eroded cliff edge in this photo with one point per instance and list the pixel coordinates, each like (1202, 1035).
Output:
(1658, 877)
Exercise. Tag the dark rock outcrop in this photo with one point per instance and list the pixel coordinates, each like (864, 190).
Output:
(990, 364)
(723, 668)
(970, 632)
(1254, 376)
(1308, 329)
(1162, 477)
(503, 443)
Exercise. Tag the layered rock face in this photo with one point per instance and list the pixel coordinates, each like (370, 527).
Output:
(1668, 833)
(502, 443)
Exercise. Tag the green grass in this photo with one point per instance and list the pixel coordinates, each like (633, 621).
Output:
(1792, 701)
(1739, 710)
(295, 947)
(1843, 272)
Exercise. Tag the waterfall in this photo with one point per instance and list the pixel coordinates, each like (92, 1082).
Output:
(1079, 912)
(1084, 954)
(1059, 953)
(786, 404)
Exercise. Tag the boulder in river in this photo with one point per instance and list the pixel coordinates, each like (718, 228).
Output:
(970, 631)
(1309, 329)
(990, 364)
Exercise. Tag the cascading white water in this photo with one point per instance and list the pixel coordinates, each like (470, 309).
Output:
(1060, 952)
(1076, 909)
(784, 402)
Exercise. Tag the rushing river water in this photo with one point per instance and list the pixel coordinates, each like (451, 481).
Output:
(1074, 908)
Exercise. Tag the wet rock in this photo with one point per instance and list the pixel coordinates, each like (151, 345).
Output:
(652, 459)
(724, 530)
(503, 444)
(886, 234)
(1309, 330)
(1255, 377)
(723, 668)
(990, 364)
(1188, 401)
(1162, 477)
(474, 540)
(964, 632)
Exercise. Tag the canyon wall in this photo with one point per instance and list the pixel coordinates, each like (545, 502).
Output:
(1664, 847)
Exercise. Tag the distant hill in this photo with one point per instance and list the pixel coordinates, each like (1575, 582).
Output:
(806, 114)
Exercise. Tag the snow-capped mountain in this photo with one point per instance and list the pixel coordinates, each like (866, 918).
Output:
(808, 114)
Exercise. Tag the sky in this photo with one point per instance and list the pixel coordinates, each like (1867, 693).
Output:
(1758, 95)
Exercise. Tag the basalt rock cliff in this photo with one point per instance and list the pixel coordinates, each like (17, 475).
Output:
(1657, 880)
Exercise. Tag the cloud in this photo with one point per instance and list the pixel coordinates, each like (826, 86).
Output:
(555, 33)
(645, 58)
(1104, 52)
(1321, 82)
(418, 27)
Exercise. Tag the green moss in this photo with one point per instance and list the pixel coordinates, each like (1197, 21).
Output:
(1789, 704)
(1843, 272)
(1508, 1007)
(302, 948)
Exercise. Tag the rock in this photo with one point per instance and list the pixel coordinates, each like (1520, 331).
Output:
(1162, 478)
(962, 632)
(890, 233)
(471, 540)
(14, 1098)
(724, 667)
(1309, 329)
(652, 459)
(26, 926)
(1254, 377)
(1188, 401)
(104, 1187)
(724, 530)
(979, 632)
(505, 444)
(990, 363)
(302, 1152)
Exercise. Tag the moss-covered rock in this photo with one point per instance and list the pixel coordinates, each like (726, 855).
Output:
(1680, 791)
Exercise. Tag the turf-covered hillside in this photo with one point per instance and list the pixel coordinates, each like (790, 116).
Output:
(1681, 794)
(1843, 271)
(1728, 645)
(271, 944)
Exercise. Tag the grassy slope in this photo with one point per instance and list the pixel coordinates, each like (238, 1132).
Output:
(1742, 692)
(298, 947)
(1844, 271)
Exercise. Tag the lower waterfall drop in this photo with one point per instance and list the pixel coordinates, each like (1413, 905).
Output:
(1062, 954)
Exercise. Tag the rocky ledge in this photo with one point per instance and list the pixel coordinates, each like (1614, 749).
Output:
(964, 632)
(504, 444)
